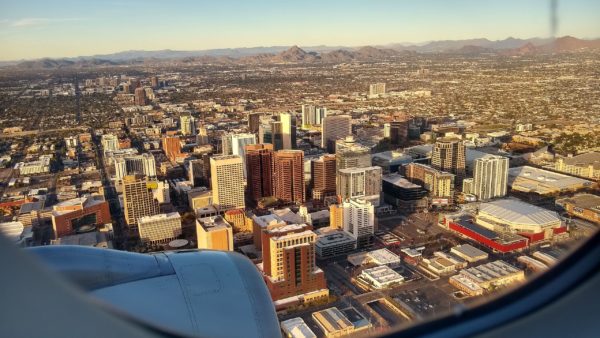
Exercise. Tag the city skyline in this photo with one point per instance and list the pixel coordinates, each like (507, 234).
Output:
(32, 29)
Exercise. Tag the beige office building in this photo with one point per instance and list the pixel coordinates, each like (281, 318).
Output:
(138, 199)
(227, 182)
(161, 228)
(214, 233)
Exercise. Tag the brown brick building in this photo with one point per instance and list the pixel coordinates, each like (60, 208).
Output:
(323, 177)
(259, 170)
(289, 176)
(69, 216)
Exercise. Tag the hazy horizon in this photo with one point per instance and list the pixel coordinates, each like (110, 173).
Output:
(35, 29)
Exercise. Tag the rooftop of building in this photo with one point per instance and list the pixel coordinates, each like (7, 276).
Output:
(332, 320)
(296, 327)
(213, 223)
(225, 157)
(423, 149)
(328, 236)
(535, 178)
(466, 282)
(516, 211)
(93, 238)
(469, 250)
(288, 216)
(502, 238)
(393, 155)
(12, 230)
(584, 201)
(266, 220)
(582, 160)
(355, 317)
(384, 256)
(490, 271)
(359, 170)
(399, 180)
(383, 274)
(31, 206)
(159, 217)
(321, 214)
(84, 201)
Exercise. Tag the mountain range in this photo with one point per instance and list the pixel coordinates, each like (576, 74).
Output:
(315, 54)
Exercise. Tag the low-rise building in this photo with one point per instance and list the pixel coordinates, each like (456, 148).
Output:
(384, 257)
(381, 277)
(465, 285)
(296, 328)
(41, 166)
(493, 274)
(469, 253)
(443, 264)
(333, 242)
(585, 206)
(335, 323)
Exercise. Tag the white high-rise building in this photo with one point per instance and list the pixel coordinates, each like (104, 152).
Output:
(110, 142)
(312, 115)
(227, 182)
(71, 141)
(238, 146)
(143, 164)
(288, 130)
(334, 128)
(358, 219)
(162, 192)
(188, 125)
(490, 177)
(376, 89)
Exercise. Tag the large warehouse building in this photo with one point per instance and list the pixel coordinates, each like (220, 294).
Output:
(543, 182)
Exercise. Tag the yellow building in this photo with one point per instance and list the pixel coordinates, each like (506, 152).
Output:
(336, 219)
(138, 199)
(214, 233)
(239, 220)
(227, 182)
(199, 198)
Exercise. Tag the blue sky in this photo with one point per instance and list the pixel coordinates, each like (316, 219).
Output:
(57, 28)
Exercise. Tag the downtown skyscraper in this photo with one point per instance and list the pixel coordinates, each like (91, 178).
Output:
(449, 155)
(289, 176)
(259, 170)
(227, 182)
(138, 199)
(490, 177)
